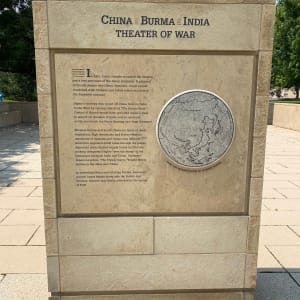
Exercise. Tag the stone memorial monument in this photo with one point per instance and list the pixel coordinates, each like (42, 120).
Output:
(152, 124)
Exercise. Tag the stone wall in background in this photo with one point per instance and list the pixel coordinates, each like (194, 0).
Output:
(29, 111)
(286, 115)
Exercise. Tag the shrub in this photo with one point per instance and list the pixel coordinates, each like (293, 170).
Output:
(19, 87)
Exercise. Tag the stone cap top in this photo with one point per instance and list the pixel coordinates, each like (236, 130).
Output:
(183, 1)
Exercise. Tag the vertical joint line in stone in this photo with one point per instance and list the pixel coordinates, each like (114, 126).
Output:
(245, 270)
(48, 26)
(153, 235)
(59, 256)
(251, 130)
(261, 24)
(55, 132)
(247, 240)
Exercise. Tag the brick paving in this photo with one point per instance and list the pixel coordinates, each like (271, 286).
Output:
(22, 242)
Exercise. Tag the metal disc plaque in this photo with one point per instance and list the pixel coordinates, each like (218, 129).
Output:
(195, 129)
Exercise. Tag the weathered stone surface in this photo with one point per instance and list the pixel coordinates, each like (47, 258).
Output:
(261, 116)
(253, 234)
(250, 271)
(49, 197)
(9, 118)
(45, 115)
(119, 217)
(242, 26)
(258, 158)
(155, 188)
(250, 296)
(178, 296)
(47, 152)
(42, 61)
(200, 234)
(106, 236)
(188, 1)
(256, 187)
(53, 273)
(267, 27)
(264, 73)
(286, 116)
(51, 234)
(39, 10)
(152, 272)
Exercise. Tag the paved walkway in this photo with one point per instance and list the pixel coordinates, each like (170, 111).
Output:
(279, 251)
(22, 243)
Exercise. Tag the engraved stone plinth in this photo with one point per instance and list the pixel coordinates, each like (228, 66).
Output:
(195, 129)
(147, 198)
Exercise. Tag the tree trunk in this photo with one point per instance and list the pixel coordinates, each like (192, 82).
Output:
(297, 92)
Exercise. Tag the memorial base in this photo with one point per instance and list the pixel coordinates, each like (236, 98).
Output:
(177, 296)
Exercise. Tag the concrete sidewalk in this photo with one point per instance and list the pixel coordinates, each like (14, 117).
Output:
(22, 243)
(279, 251)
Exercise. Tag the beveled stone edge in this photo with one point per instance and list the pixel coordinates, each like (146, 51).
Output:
(40, 24)
(242, 295)
(48, 159)
(255, 199)
(51, 234)
(182, 1)
(264, 73)
(49, 198)
(249, 295)
(43, 74)
(205, 295)
(267, 27)
(45, 108)
(253, 234)
(55, 297)
(258, 157)
(261, 116)
(250, 271)
(53, 273)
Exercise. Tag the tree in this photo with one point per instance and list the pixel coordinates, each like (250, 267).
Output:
(286, 54)
(17, 65)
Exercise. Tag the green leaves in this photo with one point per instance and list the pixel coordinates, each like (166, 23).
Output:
(17, 44)
(14, 5)
(286, 53)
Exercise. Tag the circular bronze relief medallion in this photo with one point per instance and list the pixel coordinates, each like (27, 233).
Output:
(195, 129)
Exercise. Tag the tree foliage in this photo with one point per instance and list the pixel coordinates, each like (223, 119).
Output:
(286, 54)
(16, 46)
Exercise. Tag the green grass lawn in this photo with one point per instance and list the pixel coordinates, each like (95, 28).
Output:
(7, 100)
(287, 101)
